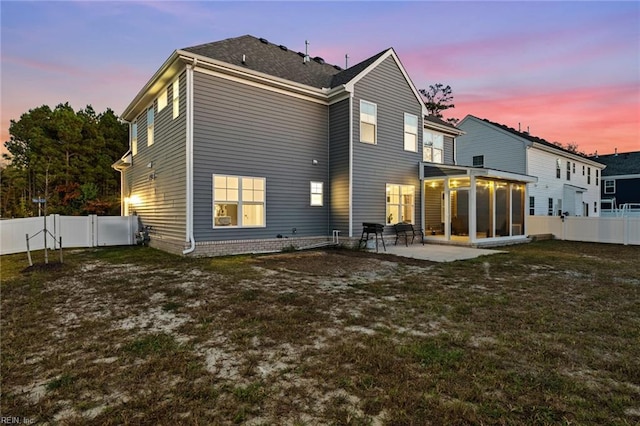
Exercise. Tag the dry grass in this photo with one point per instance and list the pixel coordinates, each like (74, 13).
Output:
(546, 334)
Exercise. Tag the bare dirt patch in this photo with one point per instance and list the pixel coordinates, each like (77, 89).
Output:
(119, 336)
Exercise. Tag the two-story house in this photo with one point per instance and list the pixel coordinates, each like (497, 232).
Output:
(568, 183)
(243, 145)
(620, 187)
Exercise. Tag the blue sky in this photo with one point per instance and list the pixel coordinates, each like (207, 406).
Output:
(570, 71)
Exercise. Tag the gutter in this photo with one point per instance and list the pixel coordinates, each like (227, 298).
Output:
(189, 158)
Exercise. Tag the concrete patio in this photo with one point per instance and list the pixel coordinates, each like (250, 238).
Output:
(436, 252)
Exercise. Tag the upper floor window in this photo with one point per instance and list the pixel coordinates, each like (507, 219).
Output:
(368, 121)
(176, 98)
(569, 170)
(558, 162)
(410, 132)
(150, 119)
(400, 203)
(433, 149)
(238, 201)
(316, 193)
(609, 186)
(588, 175)
(162, 100)
(134, 138)
(583, 170)
(478, 161)
(574, 168)
(597, 177)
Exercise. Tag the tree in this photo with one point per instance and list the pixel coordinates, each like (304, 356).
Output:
(438, 98)
(56, 153)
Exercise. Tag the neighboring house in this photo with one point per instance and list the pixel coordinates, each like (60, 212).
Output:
(620, 180)
(243, 145)
(568, 183)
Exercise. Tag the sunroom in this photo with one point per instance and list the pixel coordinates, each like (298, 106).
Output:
(474, 206)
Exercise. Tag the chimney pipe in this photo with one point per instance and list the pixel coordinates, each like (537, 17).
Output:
(616, 152)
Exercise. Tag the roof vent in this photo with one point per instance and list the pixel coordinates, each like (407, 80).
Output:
(337, 67)
(319, 60)
(264, 40)
(283, 47)
(301, 54)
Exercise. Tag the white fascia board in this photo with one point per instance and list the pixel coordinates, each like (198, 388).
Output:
(499, 174)
(614, 177)
(443, 129)
(161, 79)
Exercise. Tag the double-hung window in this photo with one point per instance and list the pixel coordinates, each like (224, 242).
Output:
(569, 170)
(410, 132)
(558, 172)
(609, 186)
(150, 119)
(368, 122)
(589, 175)
(532, 206)
(433, 147)
(238, 201)
(316, 194)
(400, 204)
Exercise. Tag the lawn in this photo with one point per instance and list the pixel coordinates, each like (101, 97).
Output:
(548, 333)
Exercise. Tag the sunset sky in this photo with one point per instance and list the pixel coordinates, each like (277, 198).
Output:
(569, 71)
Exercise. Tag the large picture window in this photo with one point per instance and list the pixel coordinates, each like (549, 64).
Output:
(410, 132)
(238, 201)
(433, 147)
(368, 121)
(400, 204)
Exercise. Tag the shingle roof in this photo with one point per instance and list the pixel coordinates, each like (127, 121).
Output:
(436, 120)
(625, 163)
(529, 137)
(277, 60)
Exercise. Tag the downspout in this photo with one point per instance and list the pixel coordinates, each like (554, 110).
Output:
(189, 157)
(351, 164)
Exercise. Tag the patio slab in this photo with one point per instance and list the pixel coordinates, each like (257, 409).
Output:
(438, 252)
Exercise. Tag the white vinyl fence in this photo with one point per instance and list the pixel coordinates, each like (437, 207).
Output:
(616, 230)
(75, 231)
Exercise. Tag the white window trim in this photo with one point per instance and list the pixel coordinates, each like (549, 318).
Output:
(375, 123)
(607, 188)
(150, 125)
(432, 147)
(240, 202)
(176, 98)
(312, 193)
(162, 100)
(400, 205)
(415, 146)
(134, 138)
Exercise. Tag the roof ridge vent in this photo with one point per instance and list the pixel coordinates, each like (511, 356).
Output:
(319, 60)
(263, 40)
(337, 67)
(283, 47)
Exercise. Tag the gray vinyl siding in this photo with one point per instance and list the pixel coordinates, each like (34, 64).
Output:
(163, 201)
(243, 130)
(501, 151)
(385, 162)
(448, 150)
(339, 166)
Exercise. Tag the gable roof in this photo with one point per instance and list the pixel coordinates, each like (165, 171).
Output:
(531, 138)
(624, 163)
(279, 61)
(442, 125)
(264, 60)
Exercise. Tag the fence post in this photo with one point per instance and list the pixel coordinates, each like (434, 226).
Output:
(60, 249)
(29, 251)
(626, 231)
